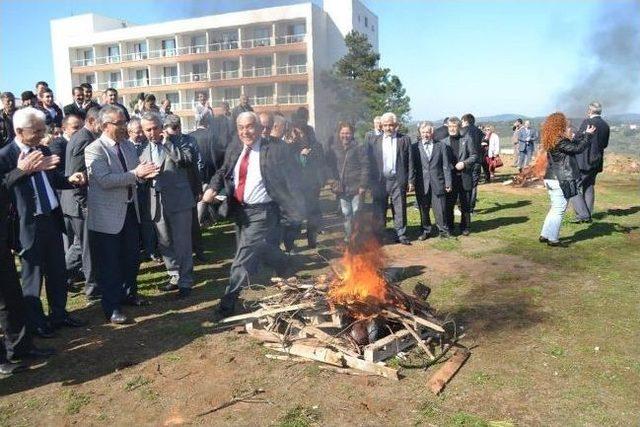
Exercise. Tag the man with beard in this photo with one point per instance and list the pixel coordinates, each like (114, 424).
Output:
(463, 156)
(6, 118)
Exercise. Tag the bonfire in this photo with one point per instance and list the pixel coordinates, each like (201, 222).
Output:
(353, 317)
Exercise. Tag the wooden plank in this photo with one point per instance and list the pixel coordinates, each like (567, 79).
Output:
(388, 346)
(318, 353)
(400, 313)
(261, 312)
(443, 375)
(371, 367)
(418, 339)
(322, 336)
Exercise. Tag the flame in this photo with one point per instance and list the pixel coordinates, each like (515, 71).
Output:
(361, 282)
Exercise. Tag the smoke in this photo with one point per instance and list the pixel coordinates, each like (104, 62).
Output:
(613, 48)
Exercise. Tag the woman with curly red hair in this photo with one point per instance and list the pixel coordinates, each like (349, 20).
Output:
(562, 174)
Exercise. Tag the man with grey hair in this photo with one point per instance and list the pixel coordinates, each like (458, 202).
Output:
(171, 201)
(257, 188)
(243, 106)
(590, 162)
(279, 127)
(371, 135)
(113, 170)
(392, 176)
(41, 224)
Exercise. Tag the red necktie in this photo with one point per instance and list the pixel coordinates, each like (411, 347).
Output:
(242, 175)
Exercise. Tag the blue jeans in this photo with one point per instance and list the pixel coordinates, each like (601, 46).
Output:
(525, 156)
(349, 206)
(551, 226)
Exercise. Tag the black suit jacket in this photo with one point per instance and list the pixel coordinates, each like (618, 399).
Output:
(281, 180)
(75, 110)
(466, 154)
(440, 133)
(436, 174)
(592, 159)
(404, 169)
(73, 201)
(23, 194)
(58, 146)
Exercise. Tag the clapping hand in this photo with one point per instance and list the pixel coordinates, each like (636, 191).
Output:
(590, 129)
(209, 196)
(36, 162)
(78, 179)
(459, 166)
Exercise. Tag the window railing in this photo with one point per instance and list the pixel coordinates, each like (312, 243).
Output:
(257, 72)
(184, 106)
(292, 69)
(232, 102)
(292, 99)
(261, 100)
(136, 83)
(189, 50)
(117, 84)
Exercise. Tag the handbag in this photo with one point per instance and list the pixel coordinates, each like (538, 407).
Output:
(569, 188)
(497, 162)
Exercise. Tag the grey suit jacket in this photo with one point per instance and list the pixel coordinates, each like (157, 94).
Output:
(171, 189)
(108, 183)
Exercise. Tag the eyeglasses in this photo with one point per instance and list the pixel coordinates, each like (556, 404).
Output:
(119, 123)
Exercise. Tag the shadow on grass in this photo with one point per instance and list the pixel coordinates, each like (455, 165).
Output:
(617, 212)
(501, 206)
(598, 229)
(478, 226)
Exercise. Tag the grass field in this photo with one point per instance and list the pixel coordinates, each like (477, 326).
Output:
(553, 331)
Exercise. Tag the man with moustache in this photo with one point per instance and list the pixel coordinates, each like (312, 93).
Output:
(76, 107)
(88, 101)
(6, 118)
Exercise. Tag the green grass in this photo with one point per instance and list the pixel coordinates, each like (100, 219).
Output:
(75, 401)
(300, 416)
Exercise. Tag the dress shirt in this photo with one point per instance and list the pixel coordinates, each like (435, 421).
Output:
(428, 147)
(389, 153)
(52, 112)
(53, 200)
(254, 190)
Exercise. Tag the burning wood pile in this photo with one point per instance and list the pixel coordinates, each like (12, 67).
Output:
(353, 317)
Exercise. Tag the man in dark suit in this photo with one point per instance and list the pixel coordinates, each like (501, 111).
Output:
(590, 162)
(371, 135)
(463, 157)
(50, 109)
(207, 146)
(468, 125)
(171, 201)
(111, 97)
(88, 102)
(41, 225)
(76, 107)
(17, 343)
(432, 179)
(6, 118)
(392, 175)
(74, 204)
(441, 132)
(258, 186)
(242, 107)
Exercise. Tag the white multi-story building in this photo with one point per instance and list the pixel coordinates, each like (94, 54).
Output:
(274, 55)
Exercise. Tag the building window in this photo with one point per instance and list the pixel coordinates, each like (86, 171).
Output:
(140, 51)
(231, 93)
(199, 71)
(90, 78)
(170, 75)
(169, 47)
(87, 56)
(113, 54)
(373, 28)
(142, 77)
(173, 97)
(366, 22)
(198, 44)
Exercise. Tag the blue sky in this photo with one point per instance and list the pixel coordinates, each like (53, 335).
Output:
(486, 57)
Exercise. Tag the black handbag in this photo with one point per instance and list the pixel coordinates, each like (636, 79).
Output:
(569, 188)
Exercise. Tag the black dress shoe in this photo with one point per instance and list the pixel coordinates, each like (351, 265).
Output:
(70, 322)
(465, 232)
(542, 239)
(169, 288)
(184, 293)
(425, 235)
(404, 241)
(581, 221)
(556, 244)
(10, 368)
(44, 332)
(119, 318)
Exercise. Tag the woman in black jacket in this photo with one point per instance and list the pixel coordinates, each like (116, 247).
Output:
(348, 165)
(562, 174)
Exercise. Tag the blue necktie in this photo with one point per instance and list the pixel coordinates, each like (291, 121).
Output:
(41, 190)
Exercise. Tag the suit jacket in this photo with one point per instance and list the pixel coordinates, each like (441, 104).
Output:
(281, 179)
(440, 133)
(468, 155)
(23, 195)
(171, 190)
(476, 136)
(50, 120)
(592, 159)
(107, 196)
(74, 201)
(370, 137)
(58, 146)
(404, 171)
(206, 142)
(75, 110)
(434, 173)
(349, 167)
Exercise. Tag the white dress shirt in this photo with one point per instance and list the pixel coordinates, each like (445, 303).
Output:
(53, 200)
(494, 145)
(428, 147)
(389, 154)
(254, 190)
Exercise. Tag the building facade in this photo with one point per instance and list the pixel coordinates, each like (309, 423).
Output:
(274, 55)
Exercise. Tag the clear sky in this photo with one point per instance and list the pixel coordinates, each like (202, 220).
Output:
(485, 57)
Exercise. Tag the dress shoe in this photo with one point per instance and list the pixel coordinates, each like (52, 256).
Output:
(119, 318)
(184, 293)
(135, 301)
(36, 353)
(424, 236)
(465, 232)
(70, 322)
(404, 241)
(556, 244)
(445, 235)
(44, 332)
(9, 368)
(581, 221)
(542, 239)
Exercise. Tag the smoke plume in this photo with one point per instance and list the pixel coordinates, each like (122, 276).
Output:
(614, 48)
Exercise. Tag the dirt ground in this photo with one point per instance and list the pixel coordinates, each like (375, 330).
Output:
(532, 362)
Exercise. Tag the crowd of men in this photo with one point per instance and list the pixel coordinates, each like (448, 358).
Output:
(88, 191)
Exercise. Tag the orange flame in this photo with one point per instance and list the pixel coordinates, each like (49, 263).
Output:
(362, 280)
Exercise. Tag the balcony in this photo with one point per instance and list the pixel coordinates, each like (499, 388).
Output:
(257, 72)
(292, 99)
(291, 69)
(232, 102)
(190, 50)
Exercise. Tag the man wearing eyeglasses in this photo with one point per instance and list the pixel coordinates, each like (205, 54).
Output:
(41, 224)
(113, 215)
